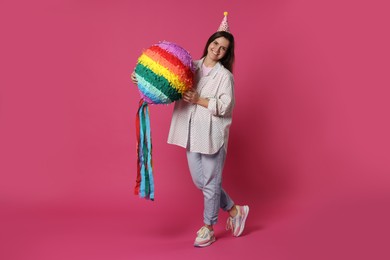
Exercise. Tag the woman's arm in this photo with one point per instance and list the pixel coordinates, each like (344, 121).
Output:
(223, 103)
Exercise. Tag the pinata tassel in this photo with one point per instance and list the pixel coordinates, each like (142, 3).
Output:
(145, 181)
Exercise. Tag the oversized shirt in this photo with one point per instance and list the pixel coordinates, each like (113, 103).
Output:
(200, 129)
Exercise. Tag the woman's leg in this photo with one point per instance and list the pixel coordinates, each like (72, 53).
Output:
(226, 202)
(206, 172)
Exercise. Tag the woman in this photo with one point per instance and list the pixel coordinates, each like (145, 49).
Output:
(200, 123)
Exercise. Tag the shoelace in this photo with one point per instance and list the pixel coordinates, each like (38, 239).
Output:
(230, 224)
(203, 232)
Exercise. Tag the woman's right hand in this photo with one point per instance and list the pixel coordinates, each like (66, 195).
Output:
(134, 78)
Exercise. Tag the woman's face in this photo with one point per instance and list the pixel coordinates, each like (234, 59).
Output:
(217, 48)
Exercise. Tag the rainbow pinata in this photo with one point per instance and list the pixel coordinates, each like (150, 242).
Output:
(164, 72)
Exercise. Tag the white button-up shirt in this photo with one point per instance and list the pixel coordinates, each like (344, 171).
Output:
(200, 129)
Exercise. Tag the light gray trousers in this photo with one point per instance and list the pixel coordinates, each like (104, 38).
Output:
(206, 172)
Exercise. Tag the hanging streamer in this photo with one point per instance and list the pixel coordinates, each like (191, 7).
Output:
(145, 182)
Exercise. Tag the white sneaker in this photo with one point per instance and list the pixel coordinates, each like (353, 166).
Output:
(205, 237)
(237, 224)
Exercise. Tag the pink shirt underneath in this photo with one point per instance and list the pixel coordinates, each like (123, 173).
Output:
(206, 70)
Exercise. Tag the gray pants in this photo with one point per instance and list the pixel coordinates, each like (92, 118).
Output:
(206, 172)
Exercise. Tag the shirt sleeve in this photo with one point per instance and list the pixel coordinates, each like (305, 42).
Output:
(222, 104)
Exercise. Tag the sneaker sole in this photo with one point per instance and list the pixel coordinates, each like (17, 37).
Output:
(205, 244)
(246, 210)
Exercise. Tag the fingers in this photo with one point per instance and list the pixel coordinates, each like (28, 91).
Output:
(190, 96)
(134, 78)
(186, 97)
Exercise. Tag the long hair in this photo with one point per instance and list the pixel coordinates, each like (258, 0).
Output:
(228, 60)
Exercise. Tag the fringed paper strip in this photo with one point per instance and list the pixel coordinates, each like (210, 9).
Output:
(144, 183)
(164, 72)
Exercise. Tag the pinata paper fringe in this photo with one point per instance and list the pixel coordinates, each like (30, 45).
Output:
(145, 182)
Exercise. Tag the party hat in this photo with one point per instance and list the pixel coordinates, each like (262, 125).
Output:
(224, 24)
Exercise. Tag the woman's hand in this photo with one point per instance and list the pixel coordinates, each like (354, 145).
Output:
(191, 96)
(134, 78)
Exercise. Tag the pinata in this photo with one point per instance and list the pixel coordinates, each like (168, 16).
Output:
(164, 72)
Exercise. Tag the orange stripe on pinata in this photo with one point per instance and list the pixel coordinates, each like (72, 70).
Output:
(175, 61)
(170, 62)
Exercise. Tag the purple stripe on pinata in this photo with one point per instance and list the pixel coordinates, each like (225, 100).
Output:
(183, 55)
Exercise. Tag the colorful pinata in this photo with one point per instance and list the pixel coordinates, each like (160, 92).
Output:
(164, 72)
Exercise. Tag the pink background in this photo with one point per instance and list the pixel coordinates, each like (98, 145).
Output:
(309, 148)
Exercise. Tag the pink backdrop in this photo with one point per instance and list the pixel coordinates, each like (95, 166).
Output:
(309, 148)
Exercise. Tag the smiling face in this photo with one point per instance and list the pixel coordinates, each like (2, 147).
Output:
(217, 49)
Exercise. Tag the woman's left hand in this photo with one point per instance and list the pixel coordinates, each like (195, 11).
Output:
(191, 96)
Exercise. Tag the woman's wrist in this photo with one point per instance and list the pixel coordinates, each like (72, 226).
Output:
(204, 102)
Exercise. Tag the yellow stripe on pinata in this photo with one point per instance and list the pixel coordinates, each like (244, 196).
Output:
(162, 71)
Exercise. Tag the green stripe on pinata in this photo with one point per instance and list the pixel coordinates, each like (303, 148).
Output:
(157, 81)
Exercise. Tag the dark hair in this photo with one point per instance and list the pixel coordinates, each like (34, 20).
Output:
(228, 60)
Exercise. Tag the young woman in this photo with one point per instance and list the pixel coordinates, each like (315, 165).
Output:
(200, 124)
